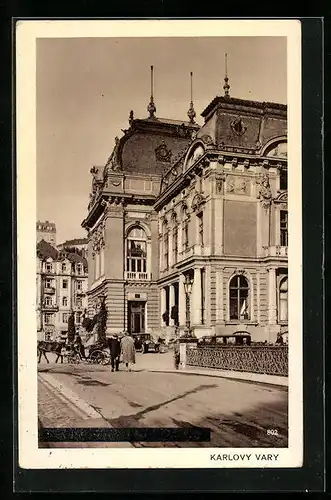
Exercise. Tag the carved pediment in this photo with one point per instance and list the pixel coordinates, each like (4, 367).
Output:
(281, 198)
(197, 202)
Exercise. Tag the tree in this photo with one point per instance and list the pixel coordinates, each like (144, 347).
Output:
(102, 320)
(71, 327)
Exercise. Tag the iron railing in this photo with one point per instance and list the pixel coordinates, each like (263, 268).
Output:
(269, 360)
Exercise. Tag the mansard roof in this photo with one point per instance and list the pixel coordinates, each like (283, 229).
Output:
(149, 145)
(45, 250)
(234, 101)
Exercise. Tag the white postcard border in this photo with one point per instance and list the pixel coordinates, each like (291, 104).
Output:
(30, 456)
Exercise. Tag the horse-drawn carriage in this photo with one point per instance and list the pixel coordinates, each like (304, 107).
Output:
(97, 353)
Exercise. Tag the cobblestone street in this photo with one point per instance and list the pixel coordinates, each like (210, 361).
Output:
(238, 413)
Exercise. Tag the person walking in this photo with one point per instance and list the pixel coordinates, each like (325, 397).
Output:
(128, 351)
(115, 351)
(61, 340)
(79, 346)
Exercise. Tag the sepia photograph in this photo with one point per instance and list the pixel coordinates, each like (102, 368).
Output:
(163, 263)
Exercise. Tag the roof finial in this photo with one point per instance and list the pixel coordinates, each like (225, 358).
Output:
(191, 112)
(151, 106)
(226, 85)
(131, 117)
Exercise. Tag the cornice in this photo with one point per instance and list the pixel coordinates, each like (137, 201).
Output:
(233, 103)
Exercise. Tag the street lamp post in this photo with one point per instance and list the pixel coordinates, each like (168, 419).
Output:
(188, 283)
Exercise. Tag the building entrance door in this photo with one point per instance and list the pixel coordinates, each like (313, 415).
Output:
(136, 320)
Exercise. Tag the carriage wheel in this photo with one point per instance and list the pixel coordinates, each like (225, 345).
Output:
(73, 359)
(96, 357)
(106, 359)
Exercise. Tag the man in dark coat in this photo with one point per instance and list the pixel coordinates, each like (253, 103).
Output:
(115, 351)
(79, 346)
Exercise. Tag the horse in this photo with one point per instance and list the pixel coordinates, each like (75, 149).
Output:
(45, 346)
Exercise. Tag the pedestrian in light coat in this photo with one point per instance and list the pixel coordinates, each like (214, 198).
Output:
(128, 351)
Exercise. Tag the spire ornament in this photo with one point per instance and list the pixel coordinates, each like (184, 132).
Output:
(151, 108)
(226, 85)
(131, 117)
(191, 112)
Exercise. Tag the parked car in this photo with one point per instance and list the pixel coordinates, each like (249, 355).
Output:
(144, 342)
(240, 337)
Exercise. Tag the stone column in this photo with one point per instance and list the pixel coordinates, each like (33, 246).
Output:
(170, 246)
(162, 304)
(181, 300)
(196, 298)
(219, 296)
(171, 303)
(149, 258)
(102, 261)
(97, 264)
(272, 307)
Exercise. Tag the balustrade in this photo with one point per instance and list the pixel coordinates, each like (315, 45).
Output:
(269, 360)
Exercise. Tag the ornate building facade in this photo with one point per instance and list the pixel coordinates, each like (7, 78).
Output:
(177, 201)
(61, 288)
(46, 231)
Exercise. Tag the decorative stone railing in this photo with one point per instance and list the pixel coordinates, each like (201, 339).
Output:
(276, 251)
(269, 360)
(137, 276)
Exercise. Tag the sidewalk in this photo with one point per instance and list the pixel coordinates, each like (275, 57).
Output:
(164, 363)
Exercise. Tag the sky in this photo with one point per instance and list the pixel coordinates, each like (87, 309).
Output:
(86, 88)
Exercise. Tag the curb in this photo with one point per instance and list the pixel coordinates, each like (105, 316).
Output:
(249, 378)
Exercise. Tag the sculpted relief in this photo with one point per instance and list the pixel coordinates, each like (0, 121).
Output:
(238, 185)
(278, 151)
(264, 190)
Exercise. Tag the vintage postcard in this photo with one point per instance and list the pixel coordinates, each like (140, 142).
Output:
(159, 244)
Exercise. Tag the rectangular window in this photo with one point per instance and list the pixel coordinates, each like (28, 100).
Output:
(48, 283)
(48, 301)
(65, 301)
(136, 254)
(79, 302)
(49, 267)
(79, 269)
(79, 285)
(283, 180)
(166, 251)
(64, 268)
(239, 309)
(185, 235)
(65, 318)
(48, 319)
(78, 317)
(64, 283)
(175, 244)
(283, 228)
(200, 221)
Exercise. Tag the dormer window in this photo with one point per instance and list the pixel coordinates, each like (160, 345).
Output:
(49, 267)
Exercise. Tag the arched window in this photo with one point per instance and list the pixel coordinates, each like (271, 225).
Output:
(165, 245)
(48, 301)
(185, 228)
(239, 289)
(283, 300)
(174, 239)
(136, 251)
